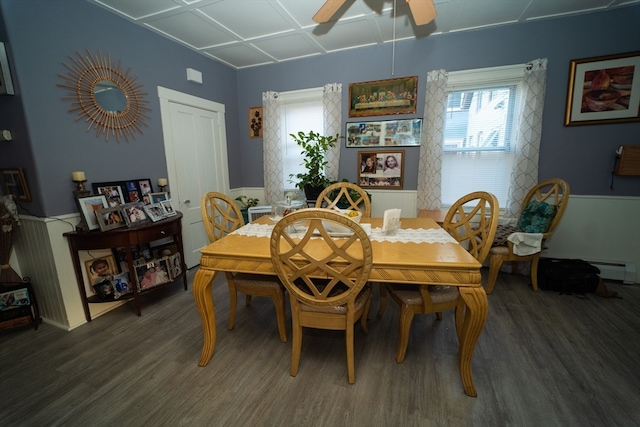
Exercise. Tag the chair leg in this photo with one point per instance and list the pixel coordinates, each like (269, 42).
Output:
(280, 305)
(404, 326)
(534, 271)
(351, 370)
(495, 262)
(365, 317)
(296, 346)
(383, 299)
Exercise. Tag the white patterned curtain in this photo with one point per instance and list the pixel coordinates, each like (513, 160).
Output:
(273, 186)
(332, 122)
(430, 163)
(527, 150)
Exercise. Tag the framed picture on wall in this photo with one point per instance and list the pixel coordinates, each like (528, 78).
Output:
(381, 169)
(382, 97)
(255, 122)
(6, 84)
(386, 133)
(604, 89)
(14, 182)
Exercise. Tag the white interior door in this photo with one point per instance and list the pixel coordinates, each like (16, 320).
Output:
(196, 151)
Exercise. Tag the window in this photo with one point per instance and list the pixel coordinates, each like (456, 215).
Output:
(302, 110)
(480, 130)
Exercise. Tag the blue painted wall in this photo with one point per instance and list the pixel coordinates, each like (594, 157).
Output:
(49, 143)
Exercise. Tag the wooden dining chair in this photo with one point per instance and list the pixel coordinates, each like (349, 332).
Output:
(221, 216)
(345, 195)
(472, 221)
(542, 209)
(326, 278)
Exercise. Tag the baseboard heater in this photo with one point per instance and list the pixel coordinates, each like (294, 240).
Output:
(625, 272)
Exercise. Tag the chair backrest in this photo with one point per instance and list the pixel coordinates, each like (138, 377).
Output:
(220, 214)
(351, 195)
(554, 191)
(316, 268)
(472, 220)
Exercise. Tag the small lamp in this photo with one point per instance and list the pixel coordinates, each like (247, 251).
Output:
(80, 178)
(162, 183)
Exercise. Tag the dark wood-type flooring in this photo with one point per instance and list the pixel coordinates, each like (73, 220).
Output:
(543, 360)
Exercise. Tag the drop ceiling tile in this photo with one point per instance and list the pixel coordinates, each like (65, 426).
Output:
(194, 30)
(263, 18)
(343, 36)
(288, 47)
(139, 9)
(239, 55)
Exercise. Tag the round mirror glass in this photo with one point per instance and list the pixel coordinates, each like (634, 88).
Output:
(110, 97)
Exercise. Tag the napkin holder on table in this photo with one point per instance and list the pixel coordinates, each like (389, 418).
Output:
(391, 220)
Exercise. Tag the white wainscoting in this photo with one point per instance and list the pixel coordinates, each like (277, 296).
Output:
(599, 228)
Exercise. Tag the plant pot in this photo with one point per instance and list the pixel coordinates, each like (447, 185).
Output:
(311, 192)
(245, 215)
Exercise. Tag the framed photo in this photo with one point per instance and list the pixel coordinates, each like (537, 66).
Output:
(121, 285)
(168, 207)
(158, 197)
(14, 182)
(145, 187)
(163, 251)
(153, 273)
(382, 97)
(110, 218)
(6, 84)
(175, 264)
(111, 190)
(132, 189)
(101, 269)
(387, 133)
(255, 122)
(381, 169)
(134, 214)
(604, 89)
(104, 290)
(155, 211)
(89, 206)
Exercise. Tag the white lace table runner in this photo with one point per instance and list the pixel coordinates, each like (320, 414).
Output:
(404, 235)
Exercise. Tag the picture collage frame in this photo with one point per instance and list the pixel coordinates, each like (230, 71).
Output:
(381, 169)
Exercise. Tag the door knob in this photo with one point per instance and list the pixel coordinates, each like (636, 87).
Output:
(187, 201)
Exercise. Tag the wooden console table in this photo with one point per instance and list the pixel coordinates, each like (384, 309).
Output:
(125, 238)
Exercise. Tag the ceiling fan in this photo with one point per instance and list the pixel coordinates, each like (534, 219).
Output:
(423, 11)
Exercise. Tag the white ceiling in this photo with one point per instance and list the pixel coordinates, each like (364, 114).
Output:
(248, 33)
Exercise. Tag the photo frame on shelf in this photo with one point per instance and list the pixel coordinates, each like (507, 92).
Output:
(152, 273)
(604, 89)
(104, 290)
(155, 211)
(134, 214)
(100, 269)
(163, 251)
(381, 169)
(385, 133)
(110, 218)
(255, 122)
(175, 264)
(383, 97)
(88, 207)
(113, 191)
(158, 197)
(145, 187)
(14, 182)
(121, 285)
(168, 208)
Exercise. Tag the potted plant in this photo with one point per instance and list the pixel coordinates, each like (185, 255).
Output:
(314, 150)
(245, 203)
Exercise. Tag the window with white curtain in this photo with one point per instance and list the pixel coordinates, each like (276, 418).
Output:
(480, 130)
(302, 110)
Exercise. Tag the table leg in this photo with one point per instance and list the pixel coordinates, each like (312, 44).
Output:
(475, 316)
(204, 303)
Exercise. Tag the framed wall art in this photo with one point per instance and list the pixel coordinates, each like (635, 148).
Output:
(88, 206)
(381, 169)
(255, 122)
(604, 89)
(14, 182)
(387, 133)
(6, 84)
(382, 97)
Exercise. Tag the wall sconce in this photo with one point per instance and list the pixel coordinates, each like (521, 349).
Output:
(162, 183)
(5, 135)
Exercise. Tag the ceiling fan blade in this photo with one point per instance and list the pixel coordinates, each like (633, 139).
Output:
(423, 11)
(328, 9)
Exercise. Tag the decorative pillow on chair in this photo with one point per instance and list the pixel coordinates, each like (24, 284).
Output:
(537, 217)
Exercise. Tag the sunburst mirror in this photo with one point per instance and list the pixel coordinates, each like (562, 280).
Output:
(107, 98)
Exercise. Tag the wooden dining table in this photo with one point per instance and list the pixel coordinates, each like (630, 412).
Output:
(393, 261)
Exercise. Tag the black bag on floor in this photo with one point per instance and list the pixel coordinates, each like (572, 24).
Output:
(567, 276)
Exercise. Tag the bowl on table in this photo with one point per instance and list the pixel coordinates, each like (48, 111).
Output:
(353, 215)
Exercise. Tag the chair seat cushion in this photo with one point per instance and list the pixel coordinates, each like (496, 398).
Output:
(502, 233)
(410, 294)
(537, 217)
(361, 299)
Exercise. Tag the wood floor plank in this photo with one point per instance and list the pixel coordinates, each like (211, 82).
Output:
(542, 359)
